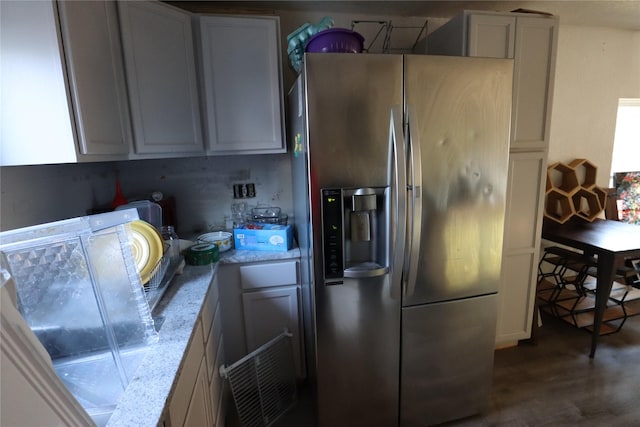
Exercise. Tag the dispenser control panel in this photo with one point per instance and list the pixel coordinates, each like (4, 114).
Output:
(332, 234)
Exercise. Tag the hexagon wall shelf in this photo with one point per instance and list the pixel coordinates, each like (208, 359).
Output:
(571, 191)
(602, 196)
(586, 204)
(558, 206)
(563, 177)
(585, 172)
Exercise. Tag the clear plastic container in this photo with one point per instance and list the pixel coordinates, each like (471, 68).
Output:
(172, 241)
(266, 215)
(147, 210)
(80, 293)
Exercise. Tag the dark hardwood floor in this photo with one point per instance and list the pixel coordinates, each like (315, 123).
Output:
(551, 382)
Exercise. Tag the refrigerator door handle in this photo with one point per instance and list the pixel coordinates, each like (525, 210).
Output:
(414, 226)
(398, 183)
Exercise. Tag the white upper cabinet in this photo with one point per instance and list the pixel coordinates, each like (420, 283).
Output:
(161, 76)
(242, 83)
(533, 76)
(36, 125)
(91, 39)
(104, 80)
(531, 41)
(63, 89)
(491, 36)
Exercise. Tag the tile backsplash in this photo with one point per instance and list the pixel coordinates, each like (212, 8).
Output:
(202, 188)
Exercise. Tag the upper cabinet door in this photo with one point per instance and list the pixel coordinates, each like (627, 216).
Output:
(91, 40)
(242, 80)
(161, 75)
(36, 126)
(533, 76)
(531, 41)
(491, 36)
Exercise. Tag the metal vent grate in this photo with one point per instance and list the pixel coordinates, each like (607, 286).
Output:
(263, 383)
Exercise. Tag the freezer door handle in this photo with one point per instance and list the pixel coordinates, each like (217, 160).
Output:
(414, 187)
(398, 210)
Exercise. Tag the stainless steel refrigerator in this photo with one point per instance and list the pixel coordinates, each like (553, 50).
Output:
(400, 170)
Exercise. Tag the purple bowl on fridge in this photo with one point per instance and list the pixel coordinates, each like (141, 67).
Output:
(335, 40)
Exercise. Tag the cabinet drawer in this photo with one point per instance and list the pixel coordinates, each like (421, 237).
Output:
(216, 384)
(210, 307)
(266, 275)
(213, 342)
(179, 403)
(222, 410)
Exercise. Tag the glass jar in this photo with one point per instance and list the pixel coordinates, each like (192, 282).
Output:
(172, 240)
(238, 214)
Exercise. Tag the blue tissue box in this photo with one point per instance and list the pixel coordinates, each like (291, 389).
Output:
(263, 237)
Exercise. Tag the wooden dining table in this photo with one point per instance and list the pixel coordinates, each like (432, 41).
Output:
(611, 242)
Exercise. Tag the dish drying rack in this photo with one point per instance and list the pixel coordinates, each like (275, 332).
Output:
(263, 383)
(405, 37)
(161, 276)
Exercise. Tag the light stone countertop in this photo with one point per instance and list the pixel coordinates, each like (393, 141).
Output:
(144, 400)
(235, 257)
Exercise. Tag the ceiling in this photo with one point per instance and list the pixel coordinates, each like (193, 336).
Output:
(620, 14)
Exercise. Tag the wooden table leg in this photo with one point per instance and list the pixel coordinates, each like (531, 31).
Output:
(606, 270)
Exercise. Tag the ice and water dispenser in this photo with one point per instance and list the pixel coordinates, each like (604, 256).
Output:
(355, 233)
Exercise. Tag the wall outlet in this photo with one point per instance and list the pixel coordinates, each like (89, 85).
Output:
(239, 191)
(251, 189)
(242, 191)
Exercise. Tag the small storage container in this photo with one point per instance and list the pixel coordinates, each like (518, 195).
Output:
(263, 237)
(147, 210)
(336, 40)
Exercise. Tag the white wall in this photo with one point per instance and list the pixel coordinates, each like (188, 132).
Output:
(202, 188)
(594, 67)
(36, 194)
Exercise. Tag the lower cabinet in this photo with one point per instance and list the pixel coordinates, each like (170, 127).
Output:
(523, 225)
(267, 313)
(199, 397)
(199, 411)
(259, 301)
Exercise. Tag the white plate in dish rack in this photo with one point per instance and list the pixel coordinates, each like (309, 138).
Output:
(148, 248)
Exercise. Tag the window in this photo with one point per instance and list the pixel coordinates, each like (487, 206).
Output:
(626, 143)
(625, 162)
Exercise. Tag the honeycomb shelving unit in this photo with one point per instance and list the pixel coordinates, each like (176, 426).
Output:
(571, 191)
(586, 204)
(558, 206)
